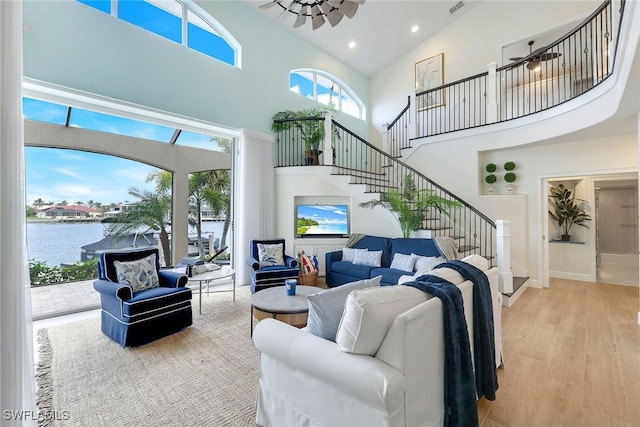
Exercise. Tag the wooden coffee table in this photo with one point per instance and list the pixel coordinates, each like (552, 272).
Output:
(276, 304)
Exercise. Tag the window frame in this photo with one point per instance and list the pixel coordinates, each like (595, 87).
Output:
(187, 6)
(341, 90)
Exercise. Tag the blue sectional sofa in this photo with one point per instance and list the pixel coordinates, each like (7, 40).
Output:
(339, 272)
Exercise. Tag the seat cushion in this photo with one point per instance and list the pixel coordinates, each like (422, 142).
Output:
(326, 307)
(353, 270)
(389, 275)
(151, 302)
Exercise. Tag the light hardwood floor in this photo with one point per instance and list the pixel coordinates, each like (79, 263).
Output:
(572, 358)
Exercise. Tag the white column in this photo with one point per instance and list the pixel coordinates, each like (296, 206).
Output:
(254, 213)
(492, 93)
(16, 329)
(503, 245)
(180, 214)
(327, 151)
(638, 141)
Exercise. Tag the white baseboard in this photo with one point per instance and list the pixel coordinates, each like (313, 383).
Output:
(571, 276)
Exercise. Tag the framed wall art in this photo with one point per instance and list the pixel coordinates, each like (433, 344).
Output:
(429, 75)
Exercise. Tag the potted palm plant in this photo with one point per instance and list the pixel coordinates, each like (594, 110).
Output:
(565, 210)
(307, 124)
(409, 205)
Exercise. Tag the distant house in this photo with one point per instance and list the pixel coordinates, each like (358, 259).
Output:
(59, 211)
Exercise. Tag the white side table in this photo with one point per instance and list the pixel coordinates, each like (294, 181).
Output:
(207, 277)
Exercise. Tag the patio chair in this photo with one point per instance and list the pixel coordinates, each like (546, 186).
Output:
(140, 302)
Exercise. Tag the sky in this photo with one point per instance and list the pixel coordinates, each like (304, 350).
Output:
(55, 174)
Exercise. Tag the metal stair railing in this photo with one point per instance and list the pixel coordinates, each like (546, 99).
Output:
(380, 172)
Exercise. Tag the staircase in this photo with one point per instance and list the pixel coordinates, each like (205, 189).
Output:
(380, 172)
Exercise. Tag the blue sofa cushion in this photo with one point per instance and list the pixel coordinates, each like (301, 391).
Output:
(376, 243)
(424, 247)
(389, 275)
(353, 270)
(151, 302)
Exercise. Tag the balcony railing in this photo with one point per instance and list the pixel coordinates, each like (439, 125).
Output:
(549, 76)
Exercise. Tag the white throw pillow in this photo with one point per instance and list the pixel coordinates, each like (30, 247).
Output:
(426, 263)
(140, 274)
(348, 254)
(270, 255)
(370, 258)
(369, 313)
(326, 307)
(403, 262)
(477, 261)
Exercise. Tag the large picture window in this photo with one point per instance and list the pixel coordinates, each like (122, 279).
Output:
(326, 89)
(181, 21)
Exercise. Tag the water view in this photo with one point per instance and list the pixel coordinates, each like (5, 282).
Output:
(55, 243)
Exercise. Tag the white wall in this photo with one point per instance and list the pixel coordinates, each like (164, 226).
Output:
(76, 46)
(469, 45)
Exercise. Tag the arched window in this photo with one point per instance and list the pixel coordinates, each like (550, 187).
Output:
(326, 89)
(181, 21)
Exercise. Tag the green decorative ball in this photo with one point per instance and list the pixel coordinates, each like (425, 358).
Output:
(509, 166)
(510, 177)
(491, 179)
(491, 167)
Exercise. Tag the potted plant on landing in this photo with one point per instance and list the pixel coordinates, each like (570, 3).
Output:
(566, 211)
(491, 178)
(509, 177)
(305, 122)
(409, 205)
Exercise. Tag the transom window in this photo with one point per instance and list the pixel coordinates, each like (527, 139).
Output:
(326, 89)
(181, 21)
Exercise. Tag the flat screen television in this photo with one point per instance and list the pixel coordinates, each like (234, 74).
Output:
(322, 220)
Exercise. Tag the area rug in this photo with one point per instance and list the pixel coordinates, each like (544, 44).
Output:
(205, 375)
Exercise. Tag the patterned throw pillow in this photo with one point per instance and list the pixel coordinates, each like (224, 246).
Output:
(140, 274)
(370, 258)
(403, 262)
(348, 254)
(270, 255)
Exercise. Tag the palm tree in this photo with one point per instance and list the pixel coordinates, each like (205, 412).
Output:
(64, 203)
(409, 205)
(38, 203)
(197, 184)
(151, 212)
(218, 196)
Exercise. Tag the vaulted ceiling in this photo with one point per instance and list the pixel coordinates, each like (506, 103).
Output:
(381, 29)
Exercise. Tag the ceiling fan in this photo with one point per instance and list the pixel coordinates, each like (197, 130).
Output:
(317, 10)
(534, 58)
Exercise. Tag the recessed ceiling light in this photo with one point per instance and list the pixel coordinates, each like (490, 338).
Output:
(352, 45)
(415, 29)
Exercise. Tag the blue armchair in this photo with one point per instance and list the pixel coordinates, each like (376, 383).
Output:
(262, 276)
(135, 317)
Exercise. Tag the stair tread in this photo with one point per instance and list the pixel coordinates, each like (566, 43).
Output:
(517, 284)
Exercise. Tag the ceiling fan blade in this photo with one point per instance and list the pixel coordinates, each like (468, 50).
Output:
(547, 56)
(358, 1)
(346, 7)
(317, 19)
(516, 58)
(268, 5)
(302, 17)
(333, 15)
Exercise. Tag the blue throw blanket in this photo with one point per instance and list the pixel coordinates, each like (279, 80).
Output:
(484, 348)
(459, 388)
